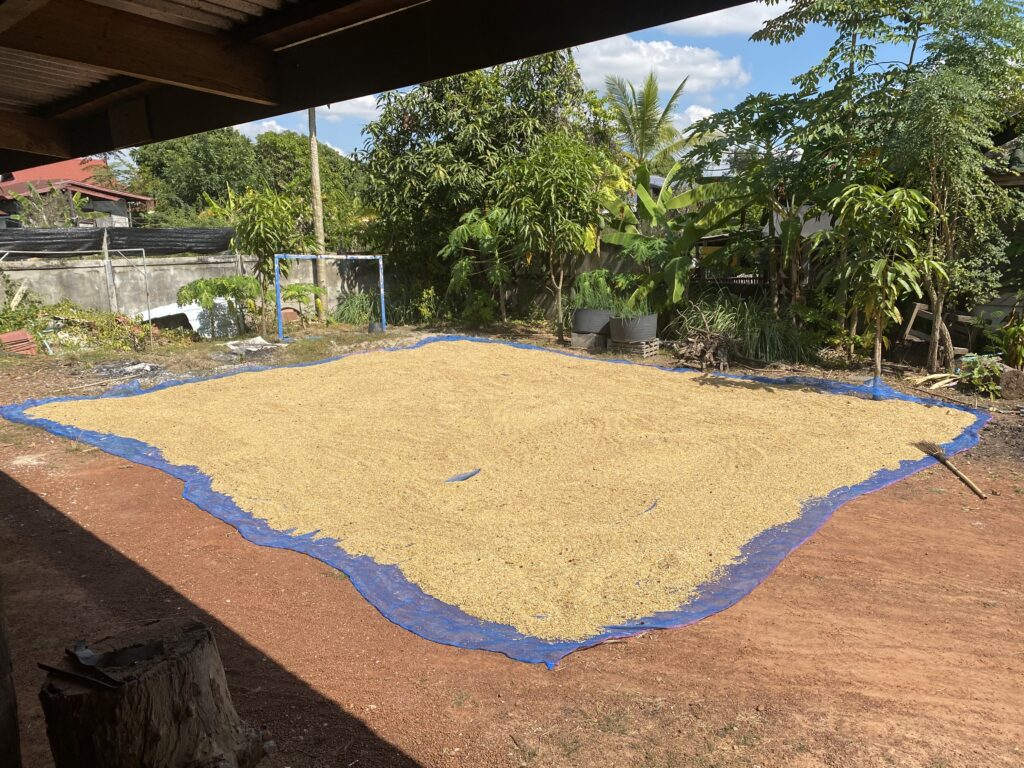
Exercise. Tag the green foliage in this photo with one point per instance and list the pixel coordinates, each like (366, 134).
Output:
(483, 245)
(303, 294)
(433, 154)
(25, 314)
(266, 223)
(667, 229)
(55, 209)
(1010, 337)
(645, 126)
(183, 173)
(69, 326)
(981, 373)
(428, 306)
(241, 292)
(750, 329)
(593, 290)
(877, 232)
(357, 308)
(631, 307)
(284, 165)
(555, 195)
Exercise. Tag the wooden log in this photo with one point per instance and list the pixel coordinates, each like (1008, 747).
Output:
(10, 745)
(153, 697)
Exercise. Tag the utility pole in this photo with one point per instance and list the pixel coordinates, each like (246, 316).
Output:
(318, 214)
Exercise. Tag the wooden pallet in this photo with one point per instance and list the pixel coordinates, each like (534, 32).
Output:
(646, 348)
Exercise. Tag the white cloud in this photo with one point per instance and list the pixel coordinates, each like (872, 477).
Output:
(740, 20)
(254, 129)
(363, 108)
(633, 59)
(341, 152)
(691, 115)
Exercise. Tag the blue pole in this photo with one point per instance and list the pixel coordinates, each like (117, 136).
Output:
(380, 280)
(277, 296)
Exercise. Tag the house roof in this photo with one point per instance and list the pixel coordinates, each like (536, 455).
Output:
(9, 189)
(71, 170)
(83, 77)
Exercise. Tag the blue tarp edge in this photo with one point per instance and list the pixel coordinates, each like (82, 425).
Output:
(405, 604)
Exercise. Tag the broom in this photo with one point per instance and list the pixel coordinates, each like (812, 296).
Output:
(934, 450)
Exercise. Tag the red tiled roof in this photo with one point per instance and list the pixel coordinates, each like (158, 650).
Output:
(10, 188)
(81, 169)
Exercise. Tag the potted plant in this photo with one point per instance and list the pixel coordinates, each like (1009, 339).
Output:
(593, 302)
(632, 320)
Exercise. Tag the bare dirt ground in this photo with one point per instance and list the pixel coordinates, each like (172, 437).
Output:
(895, 637)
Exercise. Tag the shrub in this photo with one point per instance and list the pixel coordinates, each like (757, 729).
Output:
(592, 290)
(981, 373)
(748, 328)
(356, 309)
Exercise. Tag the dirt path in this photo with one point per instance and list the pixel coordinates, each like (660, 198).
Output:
(894, 637)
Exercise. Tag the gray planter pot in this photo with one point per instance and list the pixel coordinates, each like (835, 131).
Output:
(591, 321)
(634, 328)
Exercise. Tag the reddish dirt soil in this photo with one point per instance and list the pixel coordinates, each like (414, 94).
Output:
(895, 637)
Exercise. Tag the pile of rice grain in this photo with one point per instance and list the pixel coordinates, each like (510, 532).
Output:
(606, 492)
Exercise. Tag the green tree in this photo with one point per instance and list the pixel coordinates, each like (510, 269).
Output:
(644, 125)
(284, 166)
(432, 154)
(880, 231)
(780, 181)
(663, 233)
(266, 223)
(485, 243)
(182, 173)
(555, 197)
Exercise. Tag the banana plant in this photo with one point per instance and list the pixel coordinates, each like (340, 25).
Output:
(670, 227)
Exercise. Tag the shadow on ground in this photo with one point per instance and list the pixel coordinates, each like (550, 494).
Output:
(55, 574)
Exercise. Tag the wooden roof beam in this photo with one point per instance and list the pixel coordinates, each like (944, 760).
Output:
(122, 43)
(34, 135)
(13, 11)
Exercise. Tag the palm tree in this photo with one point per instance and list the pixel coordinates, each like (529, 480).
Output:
(645, 127)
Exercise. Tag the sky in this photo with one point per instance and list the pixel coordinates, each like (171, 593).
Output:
(714, 51)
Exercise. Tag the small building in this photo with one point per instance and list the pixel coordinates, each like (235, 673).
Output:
(68, 190)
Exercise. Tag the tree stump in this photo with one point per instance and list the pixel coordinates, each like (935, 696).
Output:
(10, 745)
(153, 697)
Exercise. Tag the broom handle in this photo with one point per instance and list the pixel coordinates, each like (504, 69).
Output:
(967, 481)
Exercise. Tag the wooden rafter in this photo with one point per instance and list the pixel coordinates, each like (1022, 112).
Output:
(128, 44)
(36, 135)
(13, 11)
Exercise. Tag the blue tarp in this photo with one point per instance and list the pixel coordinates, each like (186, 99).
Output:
(407, 605)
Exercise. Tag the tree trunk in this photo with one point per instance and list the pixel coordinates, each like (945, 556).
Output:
(153, 697)
(558, 305)
(878, 347)
(319, 266)
(852, 331)
(10, 745)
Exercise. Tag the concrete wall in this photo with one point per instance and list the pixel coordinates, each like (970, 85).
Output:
(84, 280)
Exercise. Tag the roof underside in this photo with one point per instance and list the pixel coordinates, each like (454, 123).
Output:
(87, 76)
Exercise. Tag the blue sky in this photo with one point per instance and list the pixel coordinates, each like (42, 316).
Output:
(713, 50)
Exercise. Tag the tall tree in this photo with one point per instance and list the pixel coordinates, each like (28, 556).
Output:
(181, 173)
(432, 154)
(644, 124)
(554, 198)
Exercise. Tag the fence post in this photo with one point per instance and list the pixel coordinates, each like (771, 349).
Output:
(108, 271)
